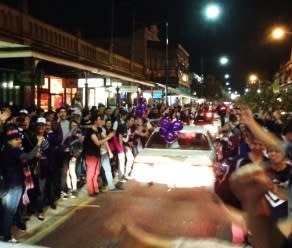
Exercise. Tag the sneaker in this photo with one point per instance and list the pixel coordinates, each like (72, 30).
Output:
(93, 194)
(64, 195)
(40, 216)
(73, 194)
(123, 180)
(13, 241)
(116, 179)
(119, 186)
(104, 189)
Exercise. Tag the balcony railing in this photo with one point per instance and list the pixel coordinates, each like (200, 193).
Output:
(21, 28)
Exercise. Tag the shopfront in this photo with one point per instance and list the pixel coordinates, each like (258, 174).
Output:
(55, 92)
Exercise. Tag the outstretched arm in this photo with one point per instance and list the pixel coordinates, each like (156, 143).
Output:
(246, 117)
(249, 184)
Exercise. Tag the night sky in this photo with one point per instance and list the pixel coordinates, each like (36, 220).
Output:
(240, 33)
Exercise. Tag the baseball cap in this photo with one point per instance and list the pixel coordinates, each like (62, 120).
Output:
(23, 111)
(12, 133)
(41, 120)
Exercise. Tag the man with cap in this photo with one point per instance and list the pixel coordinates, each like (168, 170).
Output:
(12, 160)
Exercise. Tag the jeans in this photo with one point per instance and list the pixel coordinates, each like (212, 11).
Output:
(125, 162)
(10, 204)
(71, 175)
(105, 163)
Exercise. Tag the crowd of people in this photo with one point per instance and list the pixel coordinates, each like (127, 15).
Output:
(256, 154)
(49, 155)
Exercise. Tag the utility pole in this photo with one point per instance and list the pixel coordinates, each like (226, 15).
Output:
(166, 63)
(111, 48)
(133, 39)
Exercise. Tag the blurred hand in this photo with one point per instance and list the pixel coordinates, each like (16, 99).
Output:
(40, 140)
(250, 183)
(5, 115)
(246, 115)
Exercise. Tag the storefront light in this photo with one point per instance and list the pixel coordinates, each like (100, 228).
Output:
(56, 86)
(185, 77)
(91, 82)
(10, 84)
(116, 84)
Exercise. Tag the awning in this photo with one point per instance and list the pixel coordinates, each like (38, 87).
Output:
(28, 53)
(173, 90)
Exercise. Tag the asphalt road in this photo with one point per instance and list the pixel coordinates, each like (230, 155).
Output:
(101, 221)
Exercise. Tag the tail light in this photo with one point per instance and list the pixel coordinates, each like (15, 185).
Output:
(209, 115)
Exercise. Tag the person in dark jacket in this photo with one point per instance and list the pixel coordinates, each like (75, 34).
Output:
(12, 160)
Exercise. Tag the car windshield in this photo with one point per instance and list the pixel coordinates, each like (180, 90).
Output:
(184, 141)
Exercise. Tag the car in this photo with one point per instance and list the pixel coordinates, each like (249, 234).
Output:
(213, 125)
(187, 162)
(204, 116)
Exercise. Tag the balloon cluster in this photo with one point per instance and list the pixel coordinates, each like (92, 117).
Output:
(168, 129)
(141, 108)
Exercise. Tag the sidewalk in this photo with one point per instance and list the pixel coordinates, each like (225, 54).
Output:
(36, 229)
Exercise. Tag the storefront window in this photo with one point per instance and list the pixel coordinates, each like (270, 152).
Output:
(70, 93)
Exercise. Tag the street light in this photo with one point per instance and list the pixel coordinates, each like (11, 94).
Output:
(212, 11)
(223, 60)
(254, 81)
(253, 78)
(279, 33)
(226, 76)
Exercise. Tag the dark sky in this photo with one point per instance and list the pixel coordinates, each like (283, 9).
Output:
(240, 33)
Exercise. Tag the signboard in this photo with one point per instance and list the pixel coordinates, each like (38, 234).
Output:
(157, 94)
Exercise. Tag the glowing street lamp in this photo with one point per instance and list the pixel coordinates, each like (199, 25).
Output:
(279, 33)
(253, 78)
(212, 11)
(226, 76)
(223, 60)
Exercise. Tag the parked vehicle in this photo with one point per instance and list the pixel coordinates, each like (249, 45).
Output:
(187, 162)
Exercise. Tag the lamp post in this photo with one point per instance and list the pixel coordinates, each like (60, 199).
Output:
(211, 12)
(166, 63)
